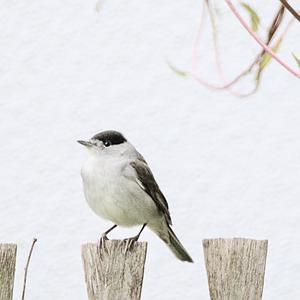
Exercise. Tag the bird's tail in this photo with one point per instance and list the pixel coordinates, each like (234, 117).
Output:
(169, 237)
(176, 247)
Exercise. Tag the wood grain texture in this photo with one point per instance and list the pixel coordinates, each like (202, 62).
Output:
(8, 253)
(114, 274)
(235, 268)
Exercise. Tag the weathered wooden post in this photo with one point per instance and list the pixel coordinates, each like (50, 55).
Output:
(115, 272)
(8, 253)
(235, 268)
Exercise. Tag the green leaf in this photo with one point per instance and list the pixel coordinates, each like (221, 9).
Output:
(177, 71)
(99, 5)
(267, 57)
(255, 21)
(297, 59)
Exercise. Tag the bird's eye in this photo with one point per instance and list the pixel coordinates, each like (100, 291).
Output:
(107, 143)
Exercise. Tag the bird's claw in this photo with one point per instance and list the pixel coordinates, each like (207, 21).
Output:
(101, 243)
(130, 242)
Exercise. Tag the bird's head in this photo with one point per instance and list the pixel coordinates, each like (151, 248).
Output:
(110, 143)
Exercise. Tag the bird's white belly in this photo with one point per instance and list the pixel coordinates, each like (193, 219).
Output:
(115, 197)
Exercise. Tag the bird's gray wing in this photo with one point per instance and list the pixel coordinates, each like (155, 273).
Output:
(146, 181)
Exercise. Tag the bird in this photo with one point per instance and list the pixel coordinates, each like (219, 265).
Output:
(119, 186)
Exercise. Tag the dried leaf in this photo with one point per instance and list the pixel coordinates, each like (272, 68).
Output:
(176, 70)
(297, 59)
(255, 21)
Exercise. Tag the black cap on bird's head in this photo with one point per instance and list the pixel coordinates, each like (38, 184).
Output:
(108, 138)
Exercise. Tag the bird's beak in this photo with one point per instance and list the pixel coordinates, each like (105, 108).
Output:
(85, 143)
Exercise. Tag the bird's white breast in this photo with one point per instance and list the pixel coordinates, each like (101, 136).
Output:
(114, 196)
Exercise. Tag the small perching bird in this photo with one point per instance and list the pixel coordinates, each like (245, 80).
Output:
(119, 186)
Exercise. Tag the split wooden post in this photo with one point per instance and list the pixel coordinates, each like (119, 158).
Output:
(115, 272)
(235, 268)
(8, 254)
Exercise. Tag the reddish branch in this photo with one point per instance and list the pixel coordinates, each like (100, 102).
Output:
(259, 41)
(276, 22)
(194, 72)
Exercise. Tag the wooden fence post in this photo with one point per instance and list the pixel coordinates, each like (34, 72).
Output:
(235, 268)
(8, 253)
(114, 273)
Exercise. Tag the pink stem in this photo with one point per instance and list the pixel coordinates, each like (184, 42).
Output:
(257, 38)
(195, 48)
(194, 61)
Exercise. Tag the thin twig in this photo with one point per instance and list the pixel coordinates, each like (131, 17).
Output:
(272, 30)
(259, 41)
(194, 72)
(26, 267)
(227, 85)
(290, 9)
(275, 24)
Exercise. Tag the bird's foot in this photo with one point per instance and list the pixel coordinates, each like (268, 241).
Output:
(101, 243)
(130, 242)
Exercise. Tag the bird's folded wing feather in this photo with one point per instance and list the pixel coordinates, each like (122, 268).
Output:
(146, 181)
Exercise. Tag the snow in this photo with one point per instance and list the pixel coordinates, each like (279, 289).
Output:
(228, 167)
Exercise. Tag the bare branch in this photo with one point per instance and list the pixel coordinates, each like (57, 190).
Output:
(259, 41)
(26, 267)
(275, 24)
(227, 85)
(194, 72)
(290, 9)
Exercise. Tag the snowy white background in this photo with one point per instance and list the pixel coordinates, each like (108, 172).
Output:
(228, 167)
